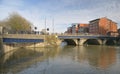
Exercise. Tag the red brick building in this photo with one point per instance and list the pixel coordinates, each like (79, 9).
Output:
(102, 26)
(78, 28)
(119, 32)
(82, 28)
(69, 30)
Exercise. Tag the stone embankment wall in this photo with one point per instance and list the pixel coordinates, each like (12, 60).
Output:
(5, 48)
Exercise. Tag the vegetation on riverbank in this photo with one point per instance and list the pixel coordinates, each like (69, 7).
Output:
(51, 40)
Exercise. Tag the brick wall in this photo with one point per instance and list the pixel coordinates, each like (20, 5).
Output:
(105, 25)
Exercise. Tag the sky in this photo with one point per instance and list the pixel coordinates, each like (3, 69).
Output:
(63, 12)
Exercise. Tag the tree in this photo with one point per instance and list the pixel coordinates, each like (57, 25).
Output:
(18, 23)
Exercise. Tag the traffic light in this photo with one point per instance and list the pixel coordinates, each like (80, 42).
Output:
(47, 29)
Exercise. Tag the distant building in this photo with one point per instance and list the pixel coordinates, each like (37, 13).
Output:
(69, 30)
(102, 26)
(83, 28)
(74, 28)
(78, 28)
(119, 32)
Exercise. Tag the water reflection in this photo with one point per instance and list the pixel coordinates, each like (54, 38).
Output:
(97, 56)
(65, 60)
(23, 58)
(101, 57)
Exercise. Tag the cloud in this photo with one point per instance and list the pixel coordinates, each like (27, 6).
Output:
(12, 3)
(8, 6)
(64, 12)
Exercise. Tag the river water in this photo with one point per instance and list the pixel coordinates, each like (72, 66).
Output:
(62, 60)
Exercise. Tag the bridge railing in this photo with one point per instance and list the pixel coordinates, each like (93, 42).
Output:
(79, 34)
(87, 35)
(24, 36)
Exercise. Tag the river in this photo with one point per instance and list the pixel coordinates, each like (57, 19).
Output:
(62, 60)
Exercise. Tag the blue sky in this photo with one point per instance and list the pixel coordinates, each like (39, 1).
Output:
(64, 12)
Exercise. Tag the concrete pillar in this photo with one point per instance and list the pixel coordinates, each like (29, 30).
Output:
(100, 41)
(78, 41)
(81, 42)
(115, 41)
(104, 42)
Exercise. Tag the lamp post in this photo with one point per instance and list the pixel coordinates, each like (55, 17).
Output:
(53, 25)
(45, 26)
(45, 34)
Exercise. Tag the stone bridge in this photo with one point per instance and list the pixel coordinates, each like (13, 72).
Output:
(22, 38)
(89, 39)
(8, 42)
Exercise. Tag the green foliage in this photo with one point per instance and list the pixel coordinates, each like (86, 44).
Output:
(51, 40)
(18, 23)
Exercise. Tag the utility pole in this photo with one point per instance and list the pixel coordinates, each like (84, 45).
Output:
(45, 26)
(45, 34)
(53, 25)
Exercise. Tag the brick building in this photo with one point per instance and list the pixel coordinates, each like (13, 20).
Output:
(82, 28)
(102, 26)
(119, 32)
(69, 30)
(78, 28)
(74, 28)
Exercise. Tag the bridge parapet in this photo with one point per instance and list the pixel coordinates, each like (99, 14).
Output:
(94, 39)
(23, 36)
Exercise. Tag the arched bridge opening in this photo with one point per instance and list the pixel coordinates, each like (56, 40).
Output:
(91, 42)
(70, 41)
(110, 42)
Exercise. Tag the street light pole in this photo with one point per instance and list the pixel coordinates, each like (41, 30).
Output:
(53, 25)
(45, 34)
(45, 26)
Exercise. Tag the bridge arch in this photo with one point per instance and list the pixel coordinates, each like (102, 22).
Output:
(70, 41)
(110, 42)
(92, 42)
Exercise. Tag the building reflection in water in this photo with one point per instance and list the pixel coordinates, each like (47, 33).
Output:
(107, 58)
(99, 57)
